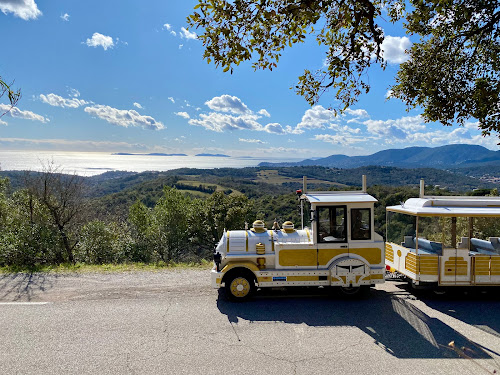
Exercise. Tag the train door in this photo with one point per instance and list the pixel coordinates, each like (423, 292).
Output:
(455, 263)
(331, 233)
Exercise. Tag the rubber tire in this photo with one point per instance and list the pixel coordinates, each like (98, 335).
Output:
(245, 279)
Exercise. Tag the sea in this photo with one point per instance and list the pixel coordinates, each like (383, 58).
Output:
(94, 163)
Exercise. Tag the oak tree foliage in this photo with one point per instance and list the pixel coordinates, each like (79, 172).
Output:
(453, 66)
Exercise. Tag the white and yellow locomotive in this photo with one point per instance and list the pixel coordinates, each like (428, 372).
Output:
(341, 249)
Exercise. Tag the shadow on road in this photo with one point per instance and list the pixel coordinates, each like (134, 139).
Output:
(395, 324)
(24, 286)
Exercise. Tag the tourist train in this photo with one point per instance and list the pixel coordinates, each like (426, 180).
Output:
(433, 242)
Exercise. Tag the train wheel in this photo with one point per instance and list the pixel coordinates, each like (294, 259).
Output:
(239, 287)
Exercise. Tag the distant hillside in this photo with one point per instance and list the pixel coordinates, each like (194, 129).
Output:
(444, 157)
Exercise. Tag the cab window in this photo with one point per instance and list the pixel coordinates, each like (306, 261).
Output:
(332, 224)
(360, 224)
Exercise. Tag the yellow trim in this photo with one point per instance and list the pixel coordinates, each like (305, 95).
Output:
(218, 280)
(358, 277)
(302, 278)
(335, 278)
(264, 279)
(246, 237)
(326, 255)
(343, 278)
(272, 239)
(251, 266)
(227, 242)
(373, 255)
(308, 235)
(376, 276)
(389, 253)
(455, 266)
(411, 262)
(299, 257)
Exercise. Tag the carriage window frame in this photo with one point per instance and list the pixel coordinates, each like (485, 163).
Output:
(345, 226)
(353, 231)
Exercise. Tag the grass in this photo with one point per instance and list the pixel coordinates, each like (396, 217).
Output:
(105, 268)
(272, 176)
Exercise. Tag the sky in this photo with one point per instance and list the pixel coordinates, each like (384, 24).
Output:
(128, 76)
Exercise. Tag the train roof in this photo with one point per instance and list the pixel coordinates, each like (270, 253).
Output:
(339, 197)
(450, 206)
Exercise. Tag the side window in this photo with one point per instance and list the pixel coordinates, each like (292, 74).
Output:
(332, 224)
(361, 224)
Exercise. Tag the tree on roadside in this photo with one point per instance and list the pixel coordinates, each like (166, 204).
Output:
(63, 197)
(452, 71)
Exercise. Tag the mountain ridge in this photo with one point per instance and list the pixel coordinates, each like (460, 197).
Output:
(442, 157)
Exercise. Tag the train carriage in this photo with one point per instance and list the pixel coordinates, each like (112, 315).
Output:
(340, 249)
(445, 241)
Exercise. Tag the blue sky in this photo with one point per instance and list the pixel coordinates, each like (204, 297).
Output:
(126, 76)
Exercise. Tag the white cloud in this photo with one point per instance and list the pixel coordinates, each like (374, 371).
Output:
(65, 17)
(25, 9)
(338, 139)
(168, 27)
(137, 105)
(181, 45)
(228, 103)
(245, 140)
(399, 128)
(188, 34)
(3, 122)
(393, 49)
(263, 112)
(360, 113)
(124, 117)
(171, 99)
(183, 114)
(275, 128)
(74, 92)
(100, 40)
(220, 122)
(316, 118)
(58, 101)
(17, 113)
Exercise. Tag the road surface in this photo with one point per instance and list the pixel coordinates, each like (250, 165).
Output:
(172, 322)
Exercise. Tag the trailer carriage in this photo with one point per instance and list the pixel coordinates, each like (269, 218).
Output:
(440, 242)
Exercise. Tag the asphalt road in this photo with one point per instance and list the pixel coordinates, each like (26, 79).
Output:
(172, 322)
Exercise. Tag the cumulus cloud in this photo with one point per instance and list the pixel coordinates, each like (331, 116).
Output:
(393, 49)
(263, 112)
(58, 101)
(227, 103)
(316, 117)
(186, 34)
(137, 105)
(25, 9)
(15, 112)
(246, 140)
(65, 17)
(399, 128)
(183, 114)
(124, 117)
(100, 40)
(220, 122)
